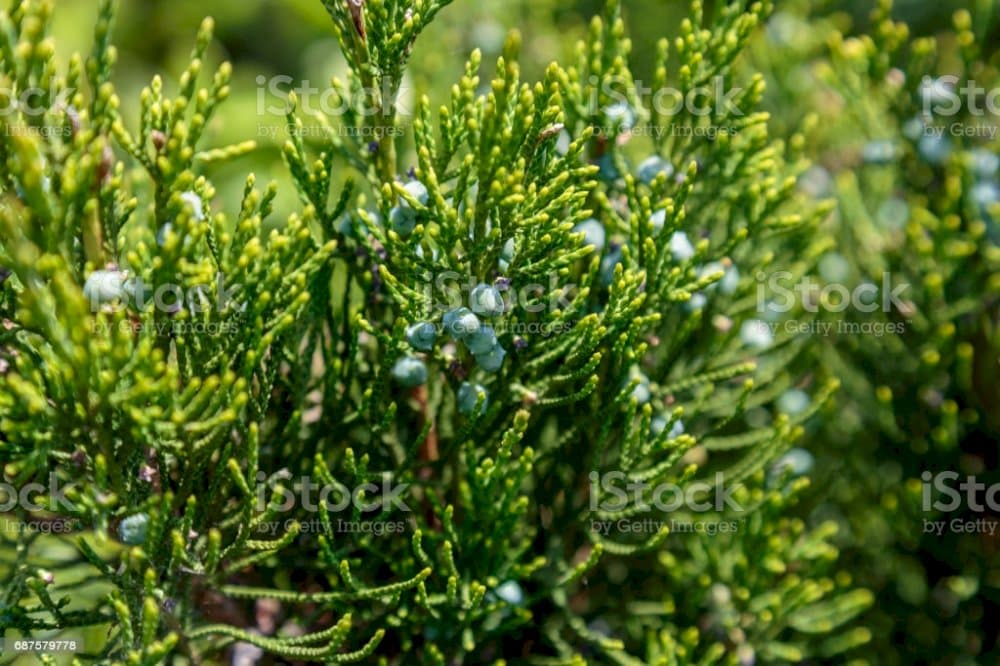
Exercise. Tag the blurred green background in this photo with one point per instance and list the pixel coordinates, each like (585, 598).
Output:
(293, 38)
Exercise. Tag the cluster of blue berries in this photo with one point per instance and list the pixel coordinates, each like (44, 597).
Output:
(594, 234)
(463, 324)
(621, 118)
(680, 245)
(642, 394)
(681, 248)
(935, 148)
(618, 120)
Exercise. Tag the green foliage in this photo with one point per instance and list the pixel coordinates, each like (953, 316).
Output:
(187, 364)
(920, 395)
